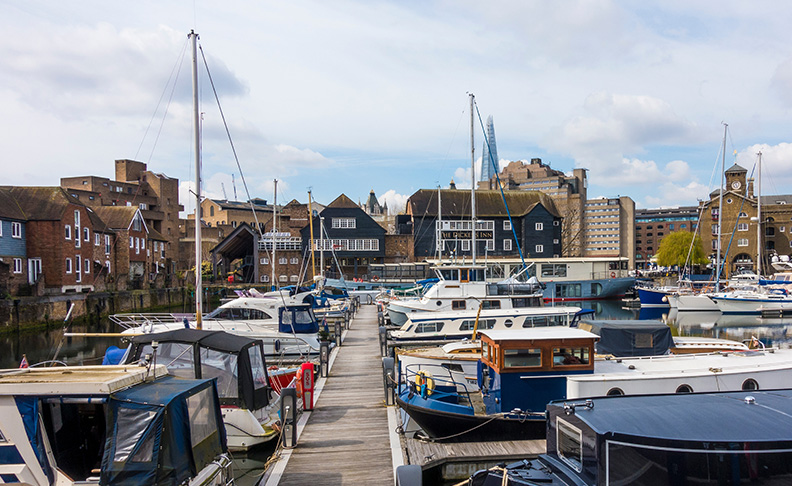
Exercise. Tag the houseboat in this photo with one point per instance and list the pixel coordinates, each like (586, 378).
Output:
(520, 371)
(660, 440)
(569, 278)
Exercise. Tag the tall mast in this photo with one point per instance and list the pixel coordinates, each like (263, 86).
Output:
(274, 231)
(310, 224)
(720, 210)
(439, 232)
(472, 182)
(759, 216)
(197, 139)
(321, 246)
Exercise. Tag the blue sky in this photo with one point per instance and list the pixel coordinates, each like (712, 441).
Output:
(348, 96)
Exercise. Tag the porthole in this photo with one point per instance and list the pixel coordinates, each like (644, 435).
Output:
(615, 392)
(729, 201)
(750, 384)
(439, 303)
(684, 389)
(508, 323)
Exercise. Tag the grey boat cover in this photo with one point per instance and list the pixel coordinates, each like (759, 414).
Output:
(630, 337)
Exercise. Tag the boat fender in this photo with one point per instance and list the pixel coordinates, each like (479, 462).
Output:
(277, 345)
(425, 383)
(613, 274)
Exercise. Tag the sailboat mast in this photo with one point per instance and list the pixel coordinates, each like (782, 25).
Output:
(197, 139)
(759, 216)
(472, 182)
(274, 231)
(720, 211)
(439, 232)
(310, 223)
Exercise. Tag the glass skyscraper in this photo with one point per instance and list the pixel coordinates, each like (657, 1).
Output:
(487, 169)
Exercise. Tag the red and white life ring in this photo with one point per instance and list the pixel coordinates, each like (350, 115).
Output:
(613, 274)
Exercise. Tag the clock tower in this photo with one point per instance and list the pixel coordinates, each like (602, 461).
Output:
(735, 179)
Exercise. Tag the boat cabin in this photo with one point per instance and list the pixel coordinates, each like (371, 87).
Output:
(461, 273)
(236, 362)
(525, 369)
(643, 440)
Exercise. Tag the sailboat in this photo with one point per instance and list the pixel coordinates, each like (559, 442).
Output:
(462, 286)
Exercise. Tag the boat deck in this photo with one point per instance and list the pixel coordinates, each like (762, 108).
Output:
(346, 436)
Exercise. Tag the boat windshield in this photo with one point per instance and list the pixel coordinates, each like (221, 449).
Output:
(238, 314)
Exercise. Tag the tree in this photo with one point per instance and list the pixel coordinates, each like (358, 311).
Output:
(675, 247)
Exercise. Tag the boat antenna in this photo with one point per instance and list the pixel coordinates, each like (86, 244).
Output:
(197, 140)
(759, 214)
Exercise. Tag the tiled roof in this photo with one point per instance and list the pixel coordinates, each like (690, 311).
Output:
(343, 201)
(456, 202)
(41, 203)
(9, 209)
(116, 217)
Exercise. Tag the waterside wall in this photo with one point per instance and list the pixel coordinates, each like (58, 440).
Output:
(29, 312)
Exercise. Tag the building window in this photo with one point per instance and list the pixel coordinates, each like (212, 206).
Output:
(16, 230)
(264, 261)
(556, 223)
(68, 265)
(87, 267)
(539, 226)
(293, 278)
(507, 226)
(539, 248)
(68, 231)
(131, 242)
(742, 227)
(283, 260)
(17, 265)
(465, 245)
(264, 278)
(294, 261)
(283, 278)
(742, 242)
(107, 244)
(490, 245)
(97, 239)
(344, 223)
(78, 268)
(507, 245)
(86, 234)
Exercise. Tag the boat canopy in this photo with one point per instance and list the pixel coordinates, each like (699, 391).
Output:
(236, 362)
(630, 337)
(298, 319)
(162, 432)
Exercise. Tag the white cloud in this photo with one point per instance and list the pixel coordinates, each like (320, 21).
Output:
(673, 195)
(396, 202)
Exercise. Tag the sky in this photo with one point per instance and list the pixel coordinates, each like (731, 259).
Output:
(349, 96)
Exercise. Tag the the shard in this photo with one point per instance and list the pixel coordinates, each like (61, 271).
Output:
(489, 152)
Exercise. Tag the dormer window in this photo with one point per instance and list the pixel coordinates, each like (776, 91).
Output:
(344, 223)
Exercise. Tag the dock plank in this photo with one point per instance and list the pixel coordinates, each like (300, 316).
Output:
(345, 440)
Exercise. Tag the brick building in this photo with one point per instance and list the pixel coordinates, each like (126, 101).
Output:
(740, 236)
(156, 195)
(652, 225)
(59, 238)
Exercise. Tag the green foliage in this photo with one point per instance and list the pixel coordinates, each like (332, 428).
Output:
(675, 247)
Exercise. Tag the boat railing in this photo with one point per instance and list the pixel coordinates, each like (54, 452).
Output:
(133, 320)
(435, 380)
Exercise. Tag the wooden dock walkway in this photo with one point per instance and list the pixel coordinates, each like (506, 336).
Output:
(346, 437)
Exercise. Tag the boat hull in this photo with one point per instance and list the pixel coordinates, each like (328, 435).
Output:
(652, 297)
(455, 427)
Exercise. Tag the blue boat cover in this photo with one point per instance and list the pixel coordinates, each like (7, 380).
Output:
(162, 432)
(297, 319)
(113, 355)
(29, 411)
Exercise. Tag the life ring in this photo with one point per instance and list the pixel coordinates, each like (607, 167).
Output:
(375, 279)
(424, 382)
(613, 274)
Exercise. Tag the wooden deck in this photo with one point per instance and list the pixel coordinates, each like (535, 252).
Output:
(345, 440)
